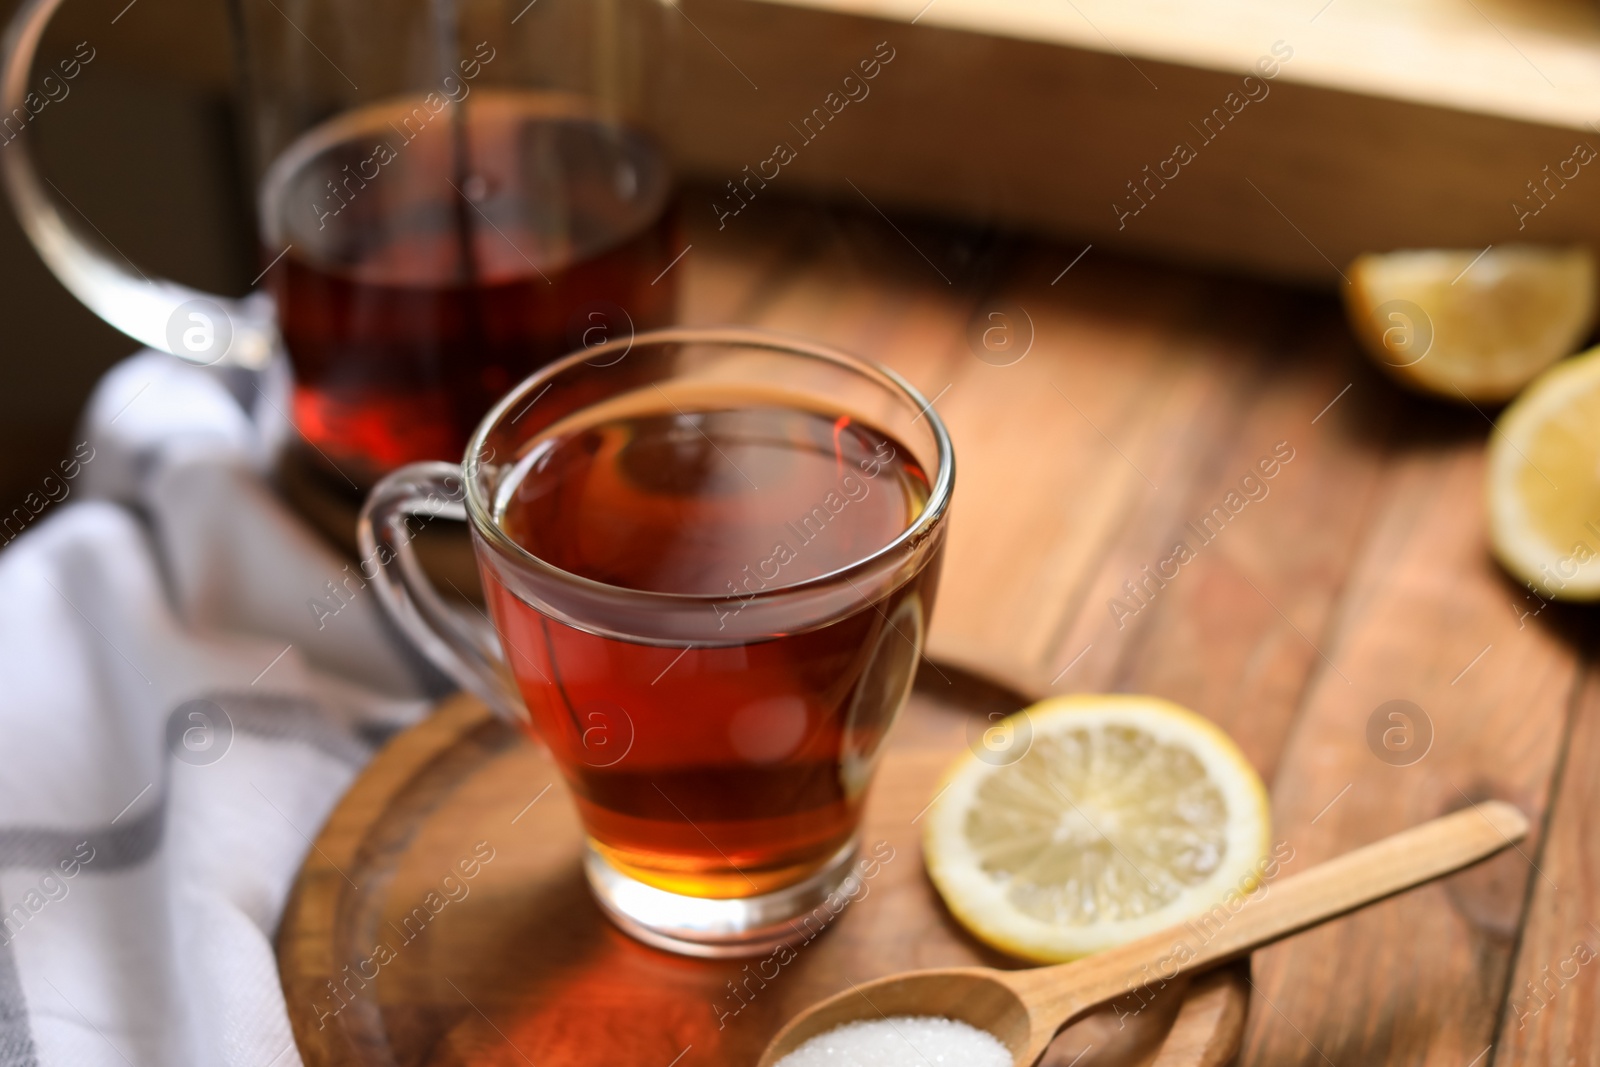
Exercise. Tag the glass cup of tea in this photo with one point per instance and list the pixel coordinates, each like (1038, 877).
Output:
(450, 194)
(709, 557)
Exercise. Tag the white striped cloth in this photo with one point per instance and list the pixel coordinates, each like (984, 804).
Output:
(175, 724)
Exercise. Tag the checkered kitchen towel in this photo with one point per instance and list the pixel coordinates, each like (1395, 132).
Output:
(175, 724)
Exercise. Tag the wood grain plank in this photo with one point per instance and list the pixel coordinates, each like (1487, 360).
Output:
(1552, 1011)
(728, 274)
(1418, 979)
(1232, 634)
(1200, 401)
(1056, 450)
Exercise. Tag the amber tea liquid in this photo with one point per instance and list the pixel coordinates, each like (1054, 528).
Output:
(716, 771)
(433, 259)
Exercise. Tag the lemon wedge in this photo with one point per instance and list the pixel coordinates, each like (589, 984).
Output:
(1470, 324)
(1093, 820)
(1544, 482)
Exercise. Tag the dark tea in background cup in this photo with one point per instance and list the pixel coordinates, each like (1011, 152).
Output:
(432, 261)
(450, 194)
(709, 559)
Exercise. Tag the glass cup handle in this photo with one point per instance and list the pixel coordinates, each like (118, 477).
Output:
(195, 326)
(468, 652)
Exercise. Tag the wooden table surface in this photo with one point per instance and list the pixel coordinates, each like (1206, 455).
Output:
(1357, 575)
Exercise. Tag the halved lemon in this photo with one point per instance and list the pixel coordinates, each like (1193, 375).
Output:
(1470, 324)
(1093, 820)
(1544, 482)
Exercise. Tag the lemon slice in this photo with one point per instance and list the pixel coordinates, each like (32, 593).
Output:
(1544, 482)
(1107, 818)
(1465, 324)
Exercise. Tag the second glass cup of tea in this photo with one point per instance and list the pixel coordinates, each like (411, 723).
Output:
(710, 557)
(450, 194)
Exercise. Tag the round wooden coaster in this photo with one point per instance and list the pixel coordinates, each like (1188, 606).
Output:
(443, 919)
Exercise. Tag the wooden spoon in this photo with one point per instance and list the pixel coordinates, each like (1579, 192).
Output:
(1025, 1009)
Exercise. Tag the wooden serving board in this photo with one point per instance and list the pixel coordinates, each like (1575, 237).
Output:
(443, 919)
